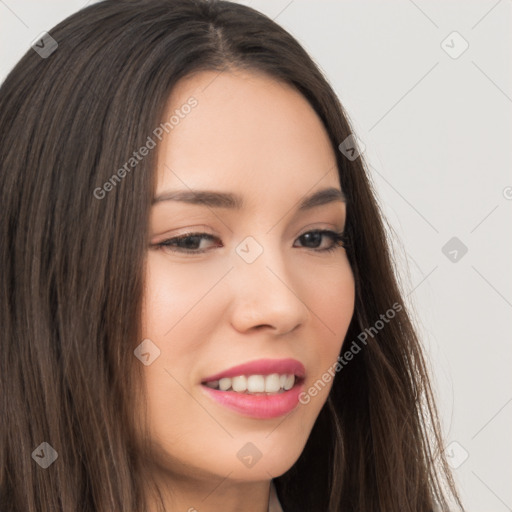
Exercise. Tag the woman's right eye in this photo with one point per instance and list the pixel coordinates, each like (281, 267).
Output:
(188, 243)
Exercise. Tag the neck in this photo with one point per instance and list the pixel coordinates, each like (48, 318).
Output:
(215, 495)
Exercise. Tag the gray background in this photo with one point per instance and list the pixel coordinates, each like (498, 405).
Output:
(437, 130)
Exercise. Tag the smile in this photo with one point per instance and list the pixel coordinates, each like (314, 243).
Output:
(260, 389)
(251, 384)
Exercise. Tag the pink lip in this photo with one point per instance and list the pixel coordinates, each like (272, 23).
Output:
(264, 405)
(258, 406)
(262, 367)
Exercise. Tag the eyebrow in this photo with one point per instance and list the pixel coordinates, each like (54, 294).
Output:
(229, 200)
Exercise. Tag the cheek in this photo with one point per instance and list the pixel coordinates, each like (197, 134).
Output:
(174, 294)
(178, 315)
(336, 301)
(171, 318)
(332, 306)
(330, 299)
(167, 302)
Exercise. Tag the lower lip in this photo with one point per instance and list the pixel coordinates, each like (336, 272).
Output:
(258, 406)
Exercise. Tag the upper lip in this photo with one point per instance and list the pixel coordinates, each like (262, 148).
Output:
(262, 367)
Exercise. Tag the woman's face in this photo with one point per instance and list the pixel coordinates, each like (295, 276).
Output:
(258, 287)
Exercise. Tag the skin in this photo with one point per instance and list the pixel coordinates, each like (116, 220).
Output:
(259, 138)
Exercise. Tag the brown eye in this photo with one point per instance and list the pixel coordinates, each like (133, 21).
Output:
(315, 238)
(189, 242)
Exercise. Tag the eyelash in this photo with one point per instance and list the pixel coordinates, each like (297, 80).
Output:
(339, 240)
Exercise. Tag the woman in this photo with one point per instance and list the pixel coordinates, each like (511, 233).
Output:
(199, 308)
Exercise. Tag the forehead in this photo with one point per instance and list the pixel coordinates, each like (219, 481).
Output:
(246, 131)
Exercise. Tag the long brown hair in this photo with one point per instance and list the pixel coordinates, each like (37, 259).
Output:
(72, 272)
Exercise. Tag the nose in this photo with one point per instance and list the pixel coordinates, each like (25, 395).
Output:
(266, 295)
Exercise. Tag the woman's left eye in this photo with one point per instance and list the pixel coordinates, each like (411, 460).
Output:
(190, 242)
(338, 239)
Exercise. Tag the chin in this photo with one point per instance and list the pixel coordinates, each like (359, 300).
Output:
(263, 455)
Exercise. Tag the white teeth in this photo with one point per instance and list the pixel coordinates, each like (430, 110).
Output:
(214, 384)
(290, 381)
(273, 383)
(239, 383)
(255, 384)
(224, 384)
